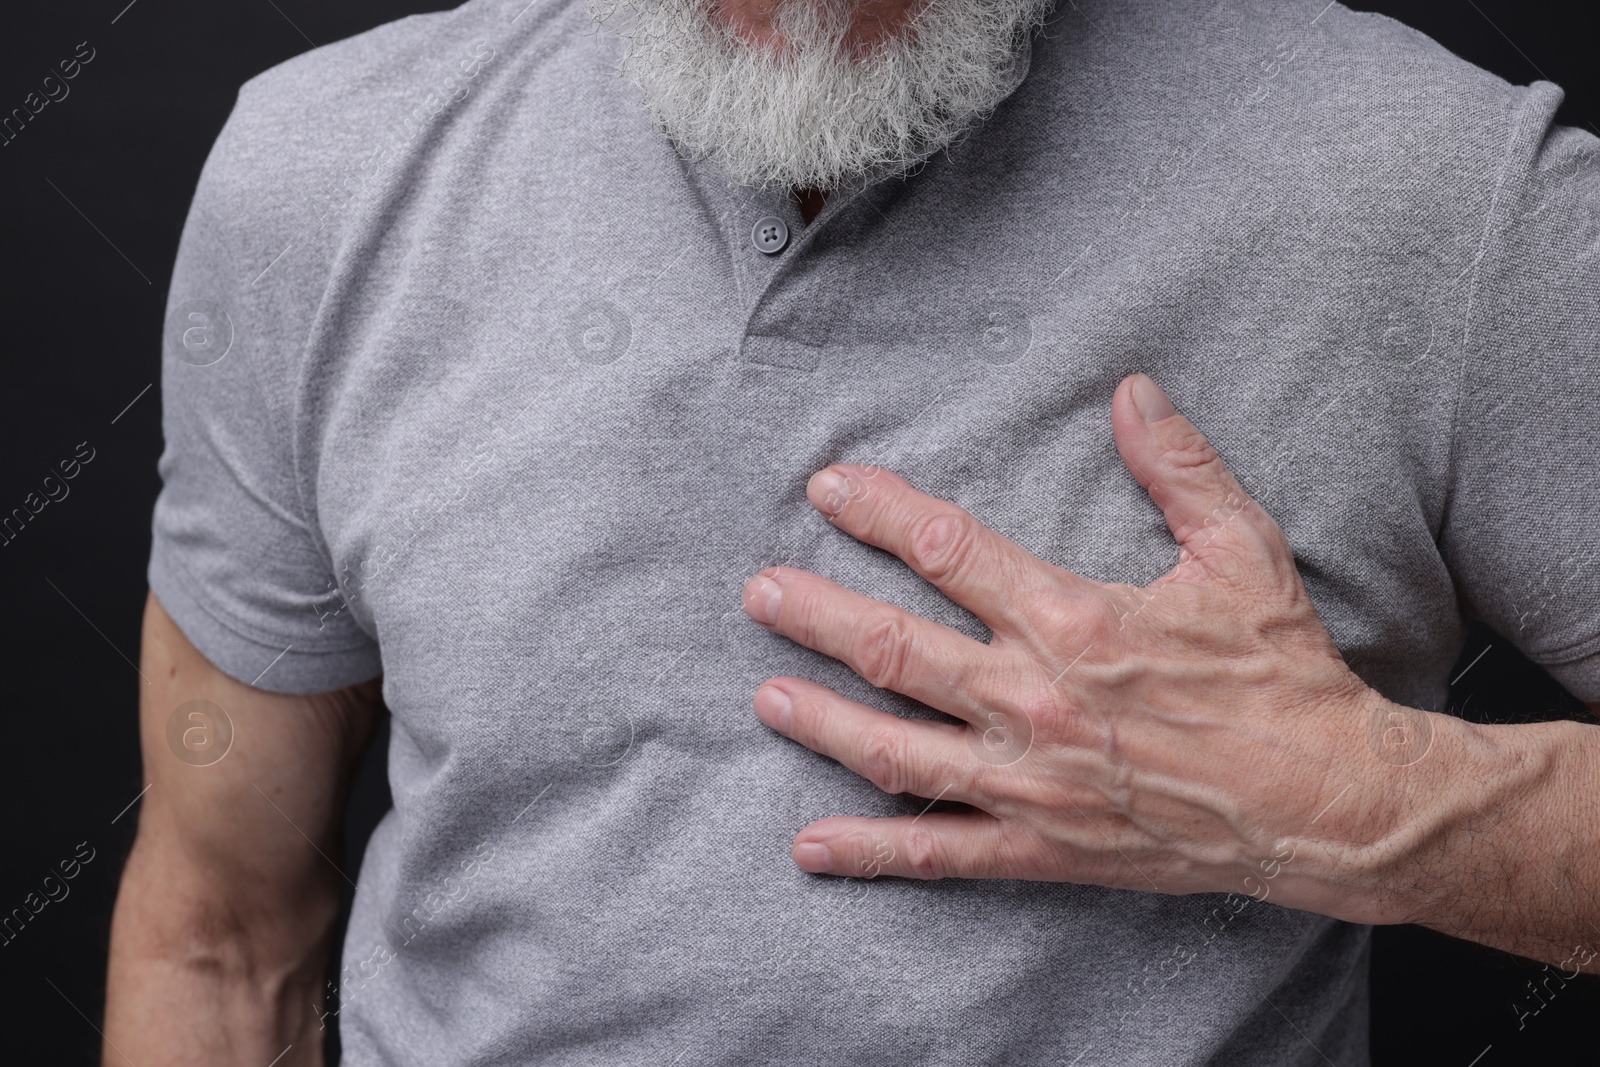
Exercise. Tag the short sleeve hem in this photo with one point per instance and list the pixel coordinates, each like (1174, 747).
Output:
(1578, 669)
(284, 666)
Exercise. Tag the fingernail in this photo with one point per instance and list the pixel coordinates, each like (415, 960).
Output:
(828, 491)
(761, 599)
(774, 708)
(813, 857)
(1151, 402)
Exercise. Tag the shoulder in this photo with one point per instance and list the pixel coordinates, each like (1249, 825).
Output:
(1414, 109)
(302, 134)
(317, 148)
(1367, 58)
(1388, 101)
(1389, 126)
(308, 134)
(1350, 102)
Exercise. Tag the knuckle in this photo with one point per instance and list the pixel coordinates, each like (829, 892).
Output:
(1042, 709)
(881, 652)
(883, 758)
(1057, 618)
(941, 544)
(1188, 449)
(920, 854)
(1045, 714)
(1056, 719)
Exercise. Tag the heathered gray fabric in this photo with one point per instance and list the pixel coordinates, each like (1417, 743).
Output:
(510, 372)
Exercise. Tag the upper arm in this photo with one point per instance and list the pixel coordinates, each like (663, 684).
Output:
(1519, 533)
(239, 573)
(239, 556)
(246, 787)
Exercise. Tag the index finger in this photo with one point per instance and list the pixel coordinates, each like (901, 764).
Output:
(983, 571)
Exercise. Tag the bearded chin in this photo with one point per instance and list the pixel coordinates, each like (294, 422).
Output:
(813, 113)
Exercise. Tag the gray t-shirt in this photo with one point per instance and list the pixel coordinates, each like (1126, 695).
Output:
(472, 381)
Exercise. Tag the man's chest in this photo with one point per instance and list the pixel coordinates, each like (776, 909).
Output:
(542, 481)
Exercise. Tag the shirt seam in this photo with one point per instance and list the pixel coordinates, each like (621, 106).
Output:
(1486, 239)
(1567, 655)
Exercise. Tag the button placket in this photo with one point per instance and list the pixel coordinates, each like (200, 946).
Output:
(783, 348)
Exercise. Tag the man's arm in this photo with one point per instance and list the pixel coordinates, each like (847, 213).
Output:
(1515, 858)
(1496, 839)
(219, 942)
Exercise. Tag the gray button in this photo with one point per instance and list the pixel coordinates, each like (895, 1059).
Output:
(770, 235)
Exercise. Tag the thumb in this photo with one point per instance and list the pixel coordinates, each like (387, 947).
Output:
(1204, 504)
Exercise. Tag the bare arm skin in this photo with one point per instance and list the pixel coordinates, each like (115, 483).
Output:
(220, 939)
(1508, 856)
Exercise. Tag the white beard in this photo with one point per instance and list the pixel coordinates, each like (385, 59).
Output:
(810, 115)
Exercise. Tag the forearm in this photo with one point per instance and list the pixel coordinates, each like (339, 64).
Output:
(200, 975)
(1499, 840)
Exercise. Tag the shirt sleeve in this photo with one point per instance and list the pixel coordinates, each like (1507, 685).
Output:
(236, 559)
(1522, 529)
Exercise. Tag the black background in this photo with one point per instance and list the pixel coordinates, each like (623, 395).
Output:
(93, 196)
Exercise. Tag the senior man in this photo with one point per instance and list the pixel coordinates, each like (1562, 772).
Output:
(512, 380)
